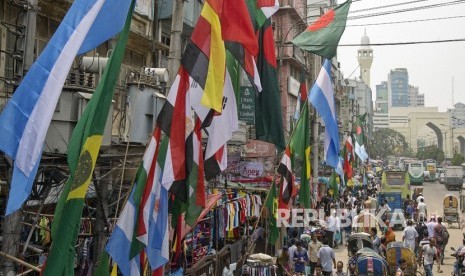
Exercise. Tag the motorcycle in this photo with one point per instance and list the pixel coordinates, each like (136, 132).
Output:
(459, 269)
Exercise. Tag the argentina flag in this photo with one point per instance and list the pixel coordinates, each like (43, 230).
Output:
(322, 98)
(25, 119)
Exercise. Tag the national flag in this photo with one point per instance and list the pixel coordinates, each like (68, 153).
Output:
(272, 206)
(322, 98)
(261, 10)
(195, 177)
(322, 37)
(333, 184)
(359, 136)
(301, 99)
(287, 179)
(219, 127)
(300, 146)
(25, 119)
(340, 170)
(144, 220)
(216, 163)
(348, 157)
(83, 150)
(268, 114)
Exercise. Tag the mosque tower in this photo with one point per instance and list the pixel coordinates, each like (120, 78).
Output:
(365, 59)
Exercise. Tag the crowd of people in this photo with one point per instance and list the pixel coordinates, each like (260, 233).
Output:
(424, 233)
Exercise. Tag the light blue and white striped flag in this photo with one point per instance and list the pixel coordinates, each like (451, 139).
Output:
(322, 98)
(25, 120)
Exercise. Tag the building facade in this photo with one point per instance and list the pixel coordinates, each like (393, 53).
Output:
(457, 115)
(382, 98)
(398, 88)
(415, 98)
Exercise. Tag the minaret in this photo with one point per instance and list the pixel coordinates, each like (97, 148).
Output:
(365, 59)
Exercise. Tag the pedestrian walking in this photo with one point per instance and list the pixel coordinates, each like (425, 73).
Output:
(326, 259)
(427, 254)
(410, 235)
(442, 237)
(313, 248)
(376, 240)
(339, 269)
(300, 259)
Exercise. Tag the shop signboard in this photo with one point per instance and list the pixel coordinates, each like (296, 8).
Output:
(247, 105)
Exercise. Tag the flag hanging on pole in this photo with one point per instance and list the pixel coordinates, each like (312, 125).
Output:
(300, 146)
(301, 99)
(287, 179)
(359, 136)
(322, 98)
(83, 150)
(25, 120)
(272, 205)
(322, 37)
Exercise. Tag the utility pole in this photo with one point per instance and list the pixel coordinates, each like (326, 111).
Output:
(12, 223)
(174, 58)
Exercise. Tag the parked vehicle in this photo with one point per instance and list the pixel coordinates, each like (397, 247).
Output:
(415, 172)
(371, 263)
(441, 176)
(358, 241)
(430, 165)
(451, 209)
(454, 177)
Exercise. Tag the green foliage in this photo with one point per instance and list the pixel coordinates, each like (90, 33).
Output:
(431, 152)
(388, 142)
(458, 159)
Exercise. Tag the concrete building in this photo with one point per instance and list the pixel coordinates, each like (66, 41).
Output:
(380, 120)
(398, 88)
(415, 98)
(381, 103)
(457, 115)
(292, 61)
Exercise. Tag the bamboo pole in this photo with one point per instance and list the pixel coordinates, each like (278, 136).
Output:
(21, 262)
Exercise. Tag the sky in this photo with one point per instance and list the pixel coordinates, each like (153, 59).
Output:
(431, 67)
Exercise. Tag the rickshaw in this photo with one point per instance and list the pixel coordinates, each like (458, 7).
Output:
(358, 241)
(451, 210)
(395, 252)
(370, 263)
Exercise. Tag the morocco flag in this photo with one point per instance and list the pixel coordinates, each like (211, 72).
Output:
(322, 37)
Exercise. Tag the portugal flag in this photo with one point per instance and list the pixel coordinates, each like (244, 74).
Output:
(322, 37)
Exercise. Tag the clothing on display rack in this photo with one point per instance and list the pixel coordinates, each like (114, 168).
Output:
(259, 270)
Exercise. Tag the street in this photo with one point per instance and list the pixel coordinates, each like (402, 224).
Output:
(434, 194)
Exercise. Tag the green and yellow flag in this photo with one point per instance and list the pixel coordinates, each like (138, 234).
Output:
(300, 147)
(272, 205)
(82, 155)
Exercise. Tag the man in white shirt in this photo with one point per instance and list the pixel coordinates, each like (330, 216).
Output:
(410, 235)
(431, 224)
(422, 209)
(330, 229)
(429, 251)
(419, 197)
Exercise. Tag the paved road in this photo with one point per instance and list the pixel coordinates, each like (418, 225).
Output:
(434, 194)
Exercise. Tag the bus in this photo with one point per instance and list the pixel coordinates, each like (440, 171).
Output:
(430, 165)
(396, 181)
(415, 173)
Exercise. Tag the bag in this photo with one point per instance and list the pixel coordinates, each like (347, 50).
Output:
(445, 235)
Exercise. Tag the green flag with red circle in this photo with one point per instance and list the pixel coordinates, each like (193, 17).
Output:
(322, 37)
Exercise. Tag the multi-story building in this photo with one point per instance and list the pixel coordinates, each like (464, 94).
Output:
(457, 115)
(398, 88)
(382, 98)
(415, 98)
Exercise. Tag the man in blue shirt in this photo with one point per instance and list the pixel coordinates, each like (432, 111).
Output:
(300, 259)
(326, 259)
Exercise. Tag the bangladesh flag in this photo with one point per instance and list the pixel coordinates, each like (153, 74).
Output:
(268, 114)
(83, 150)
(322, 37)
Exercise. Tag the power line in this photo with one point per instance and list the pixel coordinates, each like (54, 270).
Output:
(287, 44)
(406, 21)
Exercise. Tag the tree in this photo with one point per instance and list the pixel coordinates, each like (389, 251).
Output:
(458, 159)
(431, 152)
(387, 142)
